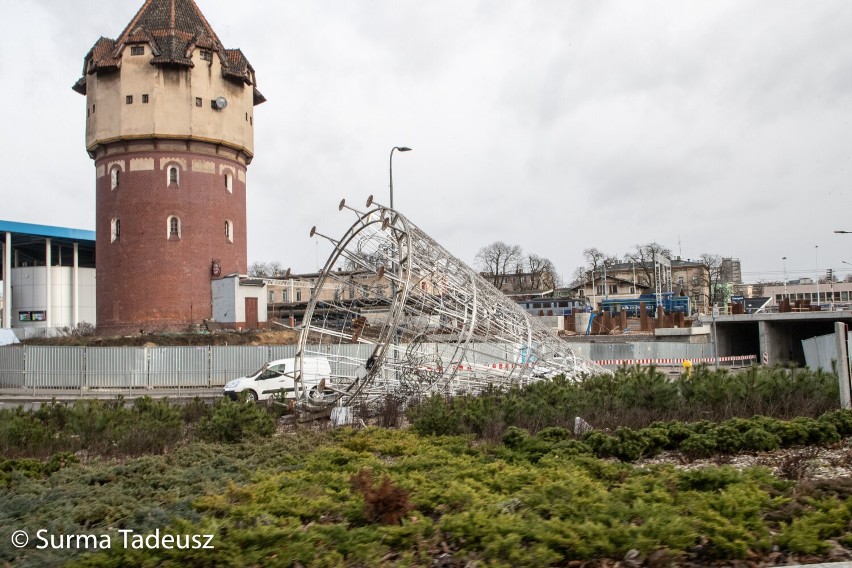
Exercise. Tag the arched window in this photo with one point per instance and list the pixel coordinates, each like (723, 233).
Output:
(229, 182)
(114, 174)
(115, 230)
(229, 231)
(173, 227)
(174, 175)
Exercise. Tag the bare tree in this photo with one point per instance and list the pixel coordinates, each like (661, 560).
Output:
(259, 269)
(642, 258)
(276, 268)
(498, 260)
(594, 258)
(710, 281)
(543, 273)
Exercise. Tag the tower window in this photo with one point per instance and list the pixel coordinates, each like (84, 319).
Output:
(114, 176)
(115, 230)
(137, 50)
(206, 55)
(229, 231)
(128, 99)
(229, 183)
(174, 175)
(93, 108)
(198, 101)
(174, 227)
(144, 99)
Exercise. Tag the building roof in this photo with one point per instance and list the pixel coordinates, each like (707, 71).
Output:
(172, 29)
(48, 232)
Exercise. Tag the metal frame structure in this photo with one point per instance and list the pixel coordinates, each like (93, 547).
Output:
(433, 324)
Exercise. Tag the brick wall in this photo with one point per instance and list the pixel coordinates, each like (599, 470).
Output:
(147, 279)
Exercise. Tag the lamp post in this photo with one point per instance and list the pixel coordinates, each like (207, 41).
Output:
(816, 266)
(393, 282)
(401, 149)
(784, 259)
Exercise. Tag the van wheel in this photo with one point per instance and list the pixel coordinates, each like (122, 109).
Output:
(251, 396)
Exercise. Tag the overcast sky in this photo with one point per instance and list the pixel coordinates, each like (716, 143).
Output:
(710, 127)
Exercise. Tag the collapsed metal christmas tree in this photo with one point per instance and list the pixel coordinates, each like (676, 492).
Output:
(425, 321)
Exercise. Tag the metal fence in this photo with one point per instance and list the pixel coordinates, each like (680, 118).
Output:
(127, 369)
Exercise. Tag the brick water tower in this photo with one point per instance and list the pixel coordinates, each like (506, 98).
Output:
(170, 126)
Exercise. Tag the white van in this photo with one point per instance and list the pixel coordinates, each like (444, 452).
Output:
(276, 377)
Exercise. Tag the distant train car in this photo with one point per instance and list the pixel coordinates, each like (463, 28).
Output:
(670, 302)
(555, 306)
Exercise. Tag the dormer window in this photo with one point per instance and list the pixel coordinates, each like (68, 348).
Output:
(206, 55)
(137, 50)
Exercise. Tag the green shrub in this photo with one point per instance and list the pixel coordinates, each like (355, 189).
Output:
(646, 388)
(625, 444)
(26, 467)
(235, 421)
(515, 437)
(156, 426)
(841, 420)
(656, 439)
(554, 434)
(570, 448)
(757, 439)
(698, 446)
(195, 410)
(436, 416)
(729, 438)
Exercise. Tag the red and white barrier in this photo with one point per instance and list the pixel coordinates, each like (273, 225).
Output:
(674, 361)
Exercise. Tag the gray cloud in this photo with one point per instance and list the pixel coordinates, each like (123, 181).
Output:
(707, 126)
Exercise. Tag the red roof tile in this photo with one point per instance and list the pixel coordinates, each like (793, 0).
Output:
(173, 29)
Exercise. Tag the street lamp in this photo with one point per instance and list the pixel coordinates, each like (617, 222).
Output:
(784, 258)
(401, 149)
(816, 266)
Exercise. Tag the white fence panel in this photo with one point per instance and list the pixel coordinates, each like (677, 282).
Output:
(820, 352)
(12, 366)
(116, 367)
(178, 367)
(232, 361)
(55, 367)
(281, 352)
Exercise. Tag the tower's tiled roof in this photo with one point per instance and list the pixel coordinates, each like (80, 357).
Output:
(172, 29)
